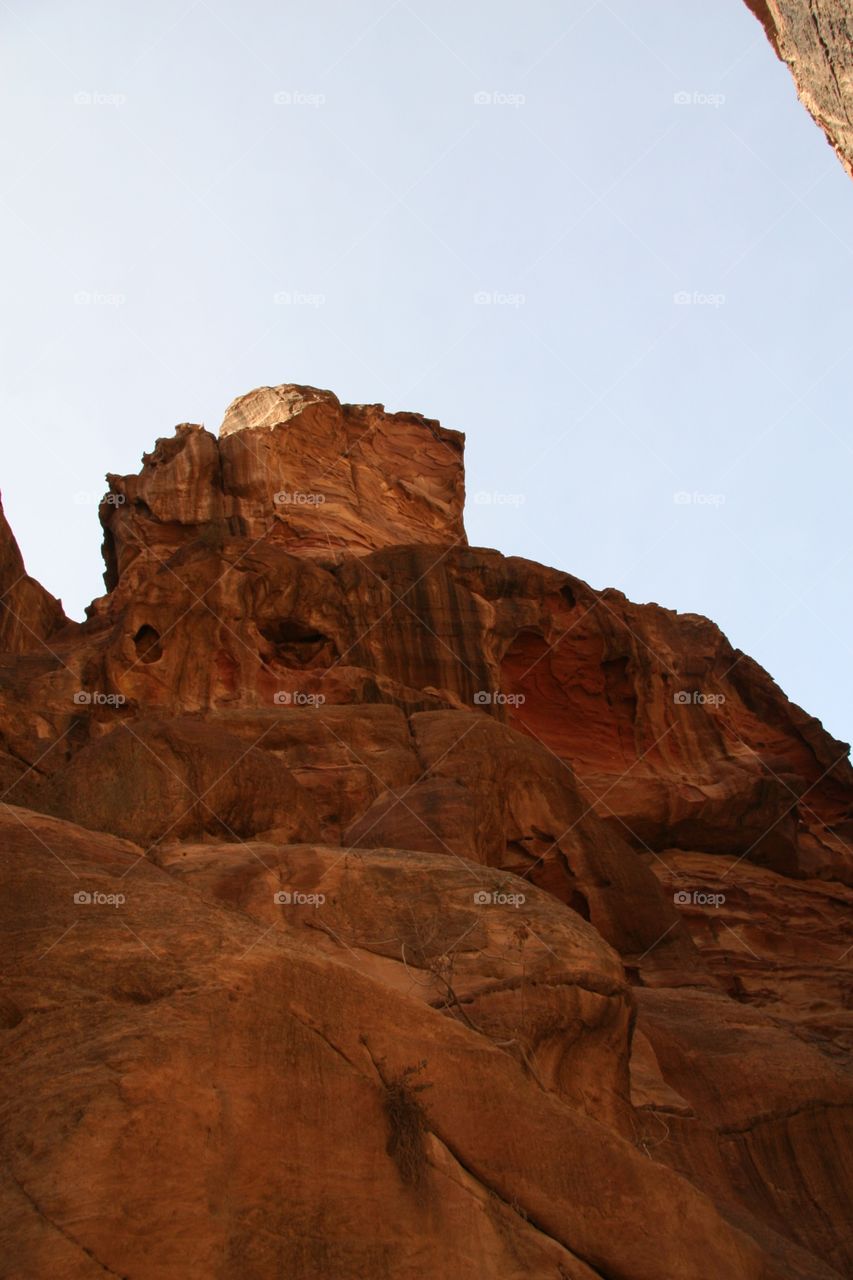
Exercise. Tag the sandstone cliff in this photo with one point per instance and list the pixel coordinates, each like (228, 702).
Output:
(376, 905)
(815, 39)
(29, 615)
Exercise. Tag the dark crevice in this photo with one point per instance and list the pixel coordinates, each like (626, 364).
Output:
(828, 59)
(299, 644)
(61, 1230)
(147, 642)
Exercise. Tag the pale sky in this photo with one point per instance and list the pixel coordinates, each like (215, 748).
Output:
(603, 239)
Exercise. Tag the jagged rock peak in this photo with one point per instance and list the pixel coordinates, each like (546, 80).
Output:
(295, 466)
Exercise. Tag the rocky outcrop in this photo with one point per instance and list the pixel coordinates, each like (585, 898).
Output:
(29, 615)
(226, 1098)
(815, 39)
(295, 467)
(376, 870)
(152, 780)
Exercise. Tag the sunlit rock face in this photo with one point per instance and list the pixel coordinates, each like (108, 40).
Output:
(294, 468)
(375, 905)
(815, 39)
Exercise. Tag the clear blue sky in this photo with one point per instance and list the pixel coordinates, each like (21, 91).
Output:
(172, 173)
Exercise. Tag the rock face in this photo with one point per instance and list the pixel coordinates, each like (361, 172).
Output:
(29, 615)
(376, 905)
(296, 469)
(815, 39)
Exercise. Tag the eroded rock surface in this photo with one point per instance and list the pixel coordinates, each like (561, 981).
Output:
(815, 39)
(293, 467)
(375, 905)
(29, 615)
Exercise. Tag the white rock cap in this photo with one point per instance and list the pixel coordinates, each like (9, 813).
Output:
(269, 407)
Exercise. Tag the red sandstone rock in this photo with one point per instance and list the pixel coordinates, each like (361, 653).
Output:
(152, 781)
(293, 466)
(573, 863)
(230, 1098)
(29, 615)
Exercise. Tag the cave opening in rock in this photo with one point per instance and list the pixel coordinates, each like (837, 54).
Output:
(147, 642)
(578, 902)
(297, 643)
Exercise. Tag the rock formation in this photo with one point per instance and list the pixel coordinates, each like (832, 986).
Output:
(297, 469)
(29, 615)
(815, 39)
(375, 905)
